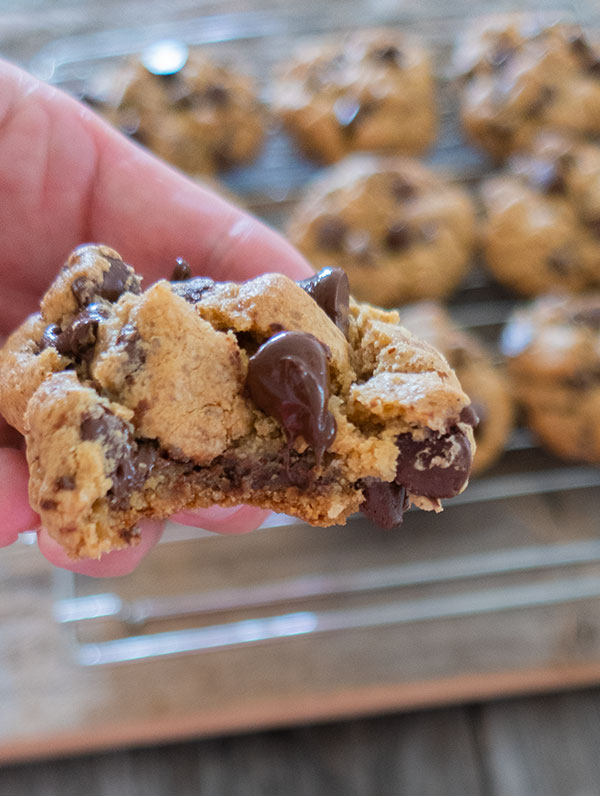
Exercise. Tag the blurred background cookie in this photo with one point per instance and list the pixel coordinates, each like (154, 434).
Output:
(367, 90)
(484, 382)
(520, 74)
(542, 226)
(199, 115)
(400, 231)
(553, 354)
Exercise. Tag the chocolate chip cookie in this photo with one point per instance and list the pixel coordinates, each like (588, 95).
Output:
(284, 395)
(197, 114)
(400, 231)
(368, 90)
(480, 376)
(542, 227)
(553, 353)
(521, 73)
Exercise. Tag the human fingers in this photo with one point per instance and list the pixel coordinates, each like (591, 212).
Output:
(119, 562)
(16, 515)
(239, 519)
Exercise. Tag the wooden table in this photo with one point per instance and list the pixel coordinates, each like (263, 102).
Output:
(51, 707)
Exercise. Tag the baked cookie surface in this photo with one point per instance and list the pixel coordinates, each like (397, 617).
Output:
(400, 231)
(481, 378)
(553, 354)
(368, 90)
(520, 73)
(542, 227)
(199, 115)
(284, 395)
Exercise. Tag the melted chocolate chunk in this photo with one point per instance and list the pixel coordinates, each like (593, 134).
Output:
(192, 289)
(182, 271)
(397, 237)
(48, 505)
(331, 290)
(117, 280)
(288, 378)
(436, 467)
(79, 337)
(50, 337)
(384, 503)
(129, 464)
(331, 232)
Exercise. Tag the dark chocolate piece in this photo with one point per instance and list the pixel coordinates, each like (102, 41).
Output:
(50, 337)
(560, 261)
(403, 189)
(192, 289)
(436, 467)
(384, 503)
(182, 270)
(590, 317)
(398, 236)
(79, 337)
(470, 415)
(120, 278)
(288, 378)
(331, 290)
(331, 232)
(217, 95)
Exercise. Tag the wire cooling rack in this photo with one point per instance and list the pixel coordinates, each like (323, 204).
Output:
(503, 545)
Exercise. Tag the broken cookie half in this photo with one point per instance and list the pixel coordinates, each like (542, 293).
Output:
(283, 395)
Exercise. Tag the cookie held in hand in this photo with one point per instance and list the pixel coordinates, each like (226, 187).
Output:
(286, 396)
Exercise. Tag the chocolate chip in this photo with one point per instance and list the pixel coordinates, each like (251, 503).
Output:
(402, 189)
(540, 103)
(436, 467)
(331, 290)
(192, 289)
(182, 270)
(590, 317)
(79, 337)
(120, 278)
(500, 55)
(584, 379)
(594, 226)
(469, 415)
(561, 261)
(384, 503)
(129, 464)
(48, 505)
(544, 175)
(65, 482)
(330, 233)
(130, 342)
(217, 95)
(389, 54)
(397, 237)
(288, 378)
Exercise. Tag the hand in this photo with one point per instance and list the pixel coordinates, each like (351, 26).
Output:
(66, 177)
